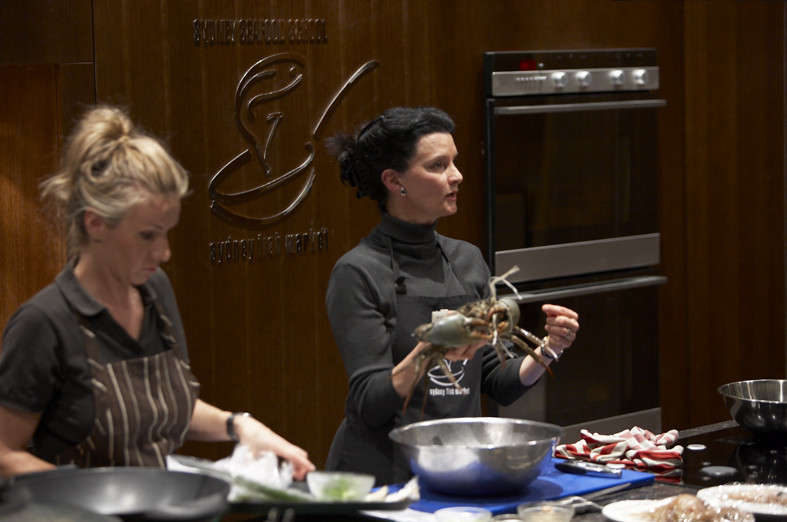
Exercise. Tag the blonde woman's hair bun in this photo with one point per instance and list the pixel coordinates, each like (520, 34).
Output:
(108, 166)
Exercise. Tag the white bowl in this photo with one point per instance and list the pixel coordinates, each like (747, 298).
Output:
(463, 514)
(339, 486)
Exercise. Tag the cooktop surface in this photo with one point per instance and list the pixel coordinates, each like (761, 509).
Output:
(732, 454)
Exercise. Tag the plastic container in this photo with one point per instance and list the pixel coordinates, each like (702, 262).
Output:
(463, 514)
(339, 486)
(545, 512)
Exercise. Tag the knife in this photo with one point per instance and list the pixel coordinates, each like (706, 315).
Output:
(584, 503)
(605, 491)
(582, 467)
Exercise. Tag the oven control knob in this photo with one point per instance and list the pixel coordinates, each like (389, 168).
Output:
(584, 78)
(617, 76)
(641, 77)
(559, 79)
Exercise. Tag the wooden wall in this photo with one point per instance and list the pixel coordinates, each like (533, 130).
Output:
(46, 77)
(726, 303)
(257, 329)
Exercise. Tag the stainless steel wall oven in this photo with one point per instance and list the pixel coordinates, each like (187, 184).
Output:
(572, 200)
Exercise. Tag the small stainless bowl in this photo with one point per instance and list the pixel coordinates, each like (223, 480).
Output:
(477, 456)
(760, 406)
(545, 511)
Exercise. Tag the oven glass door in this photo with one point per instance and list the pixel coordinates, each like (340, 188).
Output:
(611, 369)
(569, 169)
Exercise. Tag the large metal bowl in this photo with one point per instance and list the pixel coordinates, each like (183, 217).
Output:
(478, 456)
(760, 406)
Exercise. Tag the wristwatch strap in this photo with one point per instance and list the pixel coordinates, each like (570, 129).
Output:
(231, 424)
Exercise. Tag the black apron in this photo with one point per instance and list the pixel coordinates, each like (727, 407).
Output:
(361, 448)
(143, 406)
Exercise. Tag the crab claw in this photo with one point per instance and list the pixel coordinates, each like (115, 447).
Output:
(422, 332)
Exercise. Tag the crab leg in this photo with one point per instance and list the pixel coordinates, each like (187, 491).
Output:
(531, 352)
(431, 356)
(529, 336)
(447, 372)
(503, 352)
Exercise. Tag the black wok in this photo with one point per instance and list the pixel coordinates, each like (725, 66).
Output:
(130, 493)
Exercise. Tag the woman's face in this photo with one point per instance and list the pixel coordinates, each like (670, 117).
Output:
(134, 248)
(431, 181)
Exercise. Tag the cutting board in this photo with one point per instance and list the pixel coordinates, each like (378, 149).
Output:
(550, 484)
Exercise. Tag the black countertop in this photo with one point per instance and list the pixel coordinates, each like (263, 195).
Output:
(655, 491)
(723, 447)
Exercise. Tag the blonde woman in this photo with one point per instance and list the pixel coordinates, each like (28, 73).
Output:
(94, 368)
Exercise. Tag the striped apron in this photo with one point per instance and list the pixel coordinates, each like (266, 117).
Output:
(143, 406)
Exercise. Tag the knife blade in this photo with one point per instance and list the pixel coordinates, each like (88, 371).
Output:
(606, 491)
(582, 467)
(584, 503)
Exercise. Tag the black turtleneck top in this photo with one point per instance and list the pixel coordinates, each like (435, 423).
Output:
(361, 304)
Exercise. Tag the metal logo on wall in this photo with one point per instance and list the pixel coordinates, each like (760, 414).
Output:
(269, 68)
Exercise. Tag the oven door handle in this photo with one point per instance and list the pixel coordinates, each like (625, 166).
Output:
(588, 289)
(577, 107)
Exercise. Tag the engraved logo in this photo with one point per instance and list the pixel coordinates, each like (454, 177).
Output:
(267, 80)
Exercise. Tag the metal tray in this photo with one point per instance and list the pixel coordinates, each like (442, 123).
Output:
(316, 508)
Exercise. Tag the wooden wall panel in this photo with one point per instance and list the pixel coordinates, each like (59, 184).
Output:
(46, 79)
(734, 206)
(257, 328)
(46, 31)
(31, 249)
(258, 332)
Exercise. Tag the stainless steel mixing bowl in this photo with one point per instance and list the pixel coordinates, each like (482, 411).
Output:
(760, 406)
(477, 456)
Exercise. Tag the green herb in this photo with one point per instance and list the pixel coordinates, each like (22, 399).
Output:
(267, 492)
(340, 489)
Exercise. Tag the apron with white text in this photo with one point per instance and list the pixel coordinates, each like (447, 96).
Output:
(362, 448)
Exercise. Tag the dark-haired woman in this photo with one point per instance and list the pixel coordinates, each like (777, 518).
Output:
(94, 368)
(396, 277)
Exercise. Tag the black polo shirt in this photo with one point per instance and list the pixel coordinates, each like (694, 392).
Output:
(43, 366)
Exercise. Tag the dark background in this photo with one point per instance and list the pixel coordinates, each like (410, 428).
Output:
(257, 329)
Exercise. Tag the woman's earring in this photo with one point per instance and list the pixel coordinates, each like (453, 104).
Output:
(402, 191)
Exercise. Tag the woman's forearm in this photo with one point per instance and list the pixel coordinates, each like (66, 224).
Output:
(16, 430)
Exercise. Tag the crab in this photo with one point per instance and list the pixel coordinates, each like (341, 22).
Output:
(493, 320)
